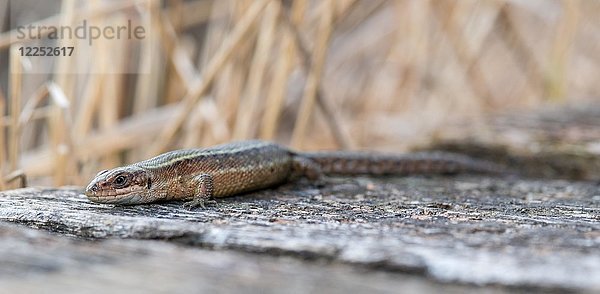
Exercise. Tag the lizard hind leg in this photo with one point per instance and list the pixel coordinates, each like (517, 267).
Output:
(305, 167)
(203, 192)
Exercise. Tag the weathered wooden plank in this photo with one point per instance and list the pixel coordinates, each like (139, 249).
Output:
(38, 262)
(556, 141)
(475, 230)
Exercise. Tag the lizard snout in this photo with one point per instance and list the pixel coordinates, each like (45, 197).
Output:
(91, 189)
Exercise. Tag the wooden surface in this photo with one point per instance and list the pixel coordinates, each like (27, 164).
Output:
(556, 141)
(362, 234)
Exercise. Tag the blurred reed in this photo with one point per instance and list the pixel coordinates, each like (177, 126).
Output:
(346, 74)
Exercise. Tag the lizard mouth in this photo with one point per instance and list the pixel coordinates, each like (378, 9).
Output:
(129, 195)
(110, 197)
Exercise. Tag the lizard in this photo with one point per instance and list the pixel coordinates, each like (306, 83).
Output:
(200, 175)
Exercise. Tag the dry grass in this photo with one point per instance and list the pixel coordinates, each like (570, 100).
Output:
(347, 74)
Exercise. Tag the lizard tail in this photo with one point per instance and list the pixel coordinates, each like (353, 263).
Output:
(353, 163)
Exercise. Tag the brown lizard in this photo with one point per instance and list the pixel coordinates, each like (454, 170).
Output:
(198, 175)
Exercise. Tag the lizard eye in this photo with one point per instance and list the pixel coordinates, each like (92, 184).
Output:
(120, 181)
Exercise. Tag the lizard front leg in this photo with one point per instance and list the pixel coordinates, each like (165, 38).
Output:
(203, 191)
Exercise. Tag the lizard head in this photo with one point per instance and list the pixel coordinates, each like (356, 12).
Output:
(123, 185)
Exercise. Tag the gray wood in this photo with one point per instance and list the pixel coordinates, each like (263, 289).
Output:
(555, 141)
(38, 262)
(465, 230)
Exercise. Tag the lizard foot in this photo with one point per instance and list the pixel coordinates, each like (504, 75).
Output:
(198, 202)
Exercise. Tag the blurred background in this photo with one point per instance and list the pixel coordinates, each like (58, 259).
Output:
(390, 75)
